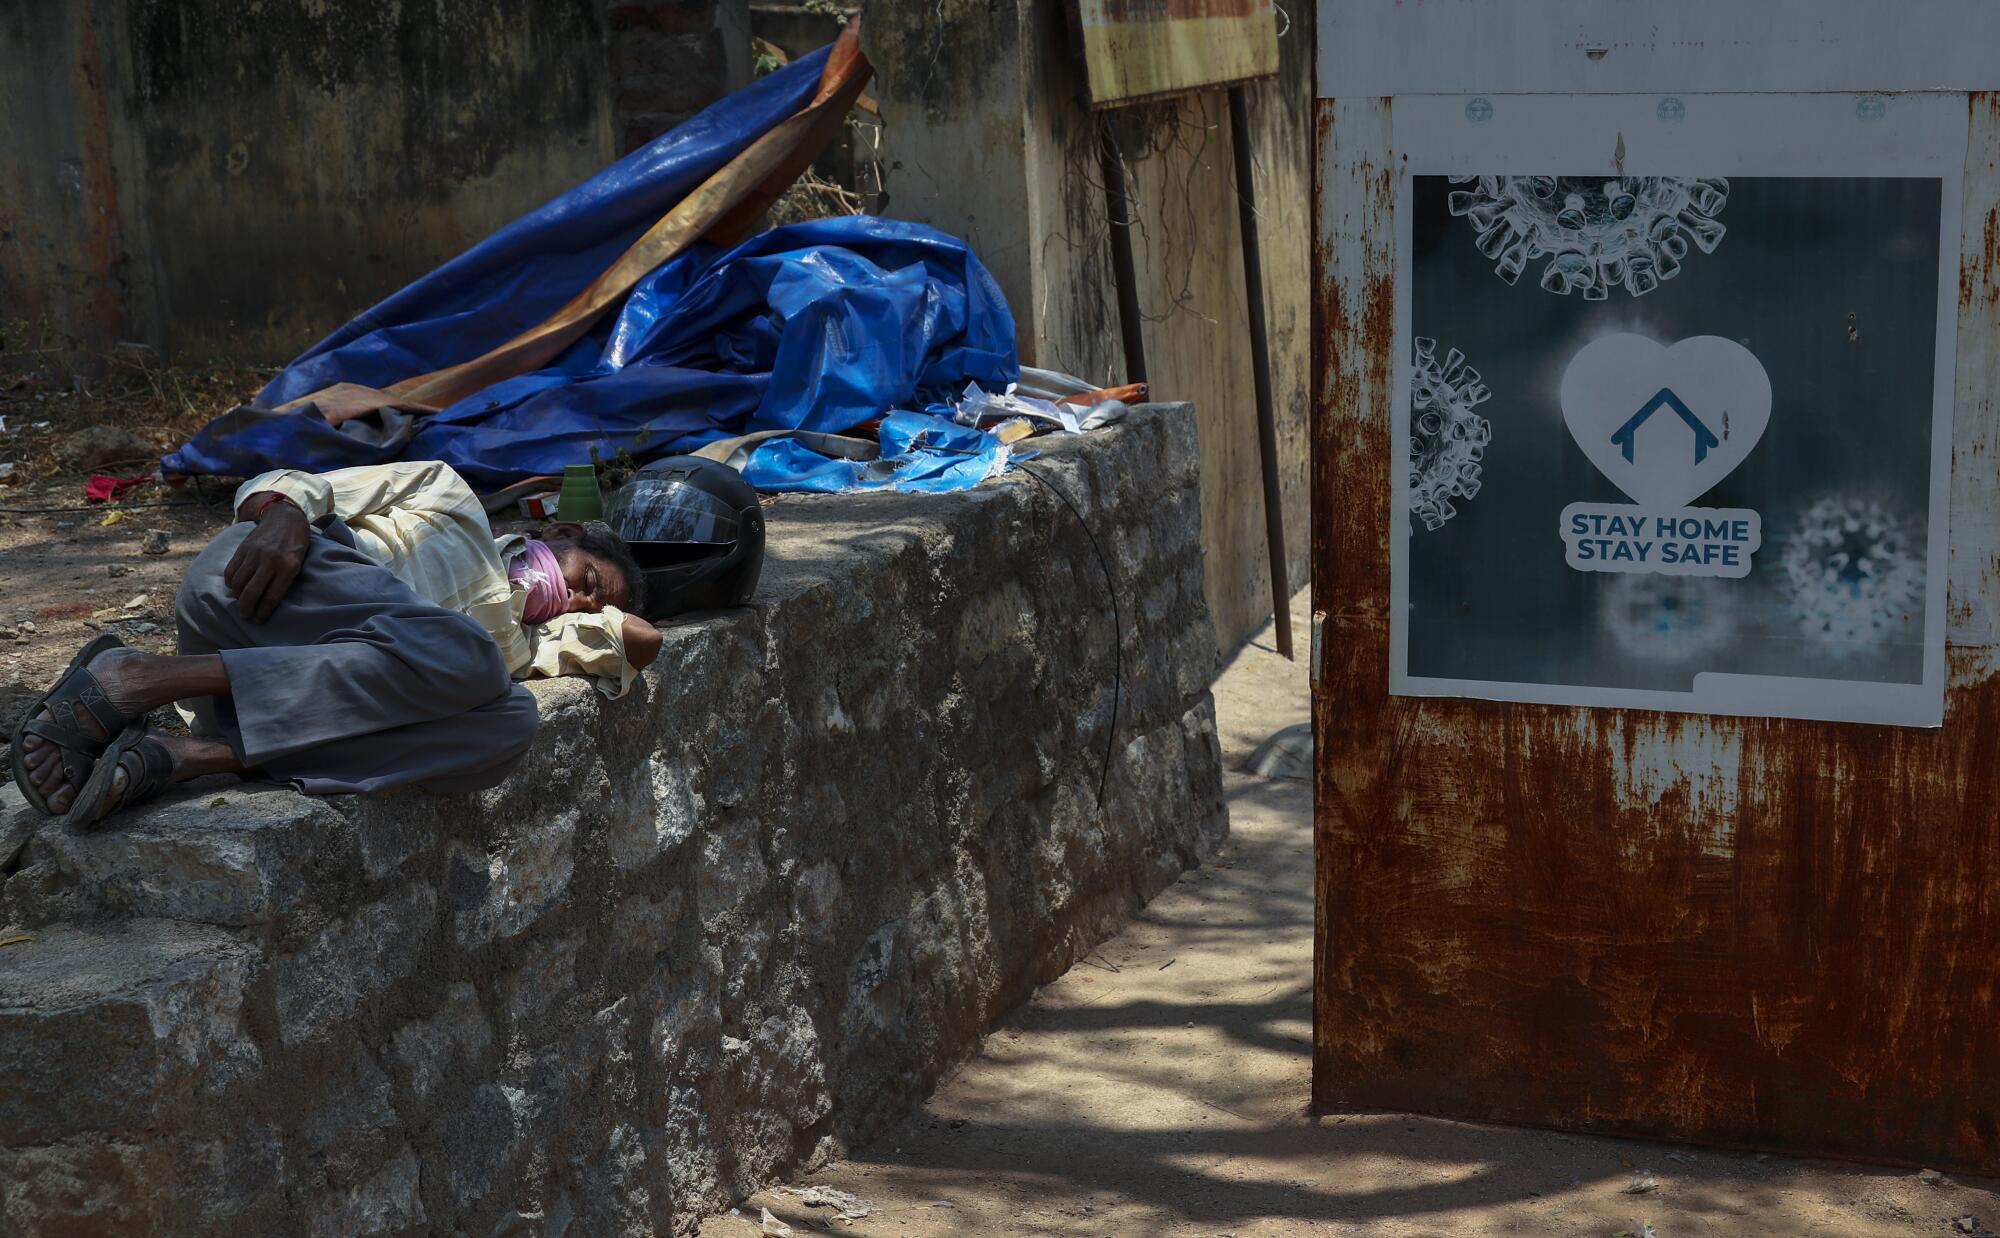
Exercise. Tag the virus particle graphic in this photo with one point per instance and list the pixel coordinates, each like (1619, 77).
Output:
(1667, 618)
(1628, 231)
(1446, 437)
(1855, 571)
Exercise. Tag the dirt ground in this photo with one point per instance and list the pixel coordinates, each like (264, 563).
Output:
(69, 568)
(1160, 1088)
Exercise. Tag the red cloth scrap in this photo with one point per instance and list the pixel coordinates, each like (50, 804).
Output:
(103, 489)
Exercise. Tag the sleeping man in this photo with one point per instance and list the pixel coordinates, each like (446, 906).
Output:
(359, 630)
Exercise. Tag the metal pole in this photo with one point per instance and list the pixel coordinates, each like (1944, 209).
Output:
(1119, 206)
(1260, 356)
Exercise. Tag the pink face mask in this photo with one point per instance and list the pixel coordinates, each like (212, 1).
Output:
(548, 592)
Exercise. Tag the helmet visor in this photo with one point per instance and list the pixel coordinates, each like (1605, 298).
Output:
(668, 509)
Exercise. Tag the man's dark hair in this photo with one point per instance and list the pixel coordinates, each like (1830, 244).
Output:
(599, 540)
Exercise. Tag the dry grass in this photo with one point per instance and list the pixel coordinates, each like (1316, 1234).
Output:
(50, 389)
(813, 197)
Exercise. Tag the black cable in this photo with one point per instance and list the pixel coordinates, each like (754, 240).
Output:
(94, 507)
(1117, 626)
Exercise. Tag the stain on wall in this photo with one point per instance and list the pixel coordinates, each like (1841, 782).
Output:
(219, 178)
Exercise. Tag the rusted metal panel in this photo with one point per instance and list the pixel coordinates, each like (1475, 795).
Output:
(1759, 932)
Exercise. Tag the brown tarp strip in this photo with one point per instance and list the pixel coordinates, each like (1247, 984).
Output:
(724, 209)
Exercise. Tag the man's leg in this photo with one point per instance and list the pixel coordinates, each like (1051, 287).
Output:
(464, 752)
(354, 684)
(135, 683)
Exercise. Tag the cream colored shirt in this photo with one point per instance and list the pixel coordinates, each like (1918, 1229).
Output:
(421, 521)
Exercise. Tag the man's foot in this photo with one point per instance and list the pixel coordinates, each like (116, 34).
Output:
(141, 765)
(43, 766)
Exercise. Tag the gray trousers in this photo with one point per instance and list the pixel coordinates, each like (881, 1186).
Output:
(355, 683)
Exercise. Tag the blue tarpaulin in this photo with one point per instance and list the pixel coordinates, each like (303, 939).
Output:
(819, 326)
(920, 452)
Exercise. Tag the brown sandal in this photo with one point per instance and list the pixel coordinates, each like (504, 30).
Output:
(149, 769)
(79, 751)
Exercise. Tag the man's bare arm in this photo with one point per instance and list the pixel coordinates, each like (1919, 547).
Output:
(642, 642)
(268, 560)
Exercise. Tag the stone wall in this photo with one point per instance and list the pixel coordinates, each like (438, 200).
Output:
(708, 935)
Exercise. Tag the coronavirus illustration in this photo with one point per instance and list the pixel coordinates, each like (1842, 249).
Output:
(1854, 568)
(1447, 439)
(1667, 618)
(1597, 234)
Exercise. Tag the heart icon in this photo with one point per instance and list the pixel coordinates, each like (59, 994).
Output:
(1665, 424)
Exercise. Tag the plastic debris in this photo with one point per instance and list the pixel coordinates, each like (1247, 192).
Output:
(853, 1207)
(1967, 1225)
(16, 939)
(1930, 1177)
(1104, 413)
(771, 1225)
(1286, 754)
(111, 518)
(1643, 1183)
(977, 404)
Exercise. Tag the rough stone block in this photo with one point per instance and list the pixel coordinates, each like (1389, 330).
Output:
(93, 1185)
(426, 1048)
(18, 823)
(119, 1031)
(212, 857)
(348, 962)
(500, 893)
(387, 1203)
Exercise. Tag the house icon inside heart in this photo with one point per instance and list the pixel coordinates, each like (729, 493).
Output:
(1717, 389)
(1704, 438)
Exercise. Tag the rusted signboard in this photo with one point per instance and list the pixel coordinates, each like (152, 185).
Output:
(1773, 932)
(1147, 49)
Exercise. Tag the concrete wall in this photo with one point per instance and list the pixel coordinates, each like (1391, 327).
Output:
(672, 58)
(219, 178)
(985, 136)
(707, 935)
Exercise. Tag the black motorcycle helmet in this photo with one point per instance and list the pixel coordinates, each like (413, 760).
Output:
(697, 530)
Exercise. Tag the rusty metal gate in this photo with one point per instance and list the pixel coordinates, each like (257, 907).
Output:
(1774, 932)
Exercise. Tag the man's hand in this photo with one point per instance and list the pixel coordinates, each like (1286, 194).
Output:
(642, 642)
(267, 561)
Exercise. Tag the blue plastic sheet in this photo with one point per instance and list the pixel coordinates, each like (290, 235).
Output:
(816, 326)
(920, 452)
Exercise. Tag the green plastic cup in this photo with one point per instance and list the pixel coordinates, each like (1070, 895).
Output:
(580, 498)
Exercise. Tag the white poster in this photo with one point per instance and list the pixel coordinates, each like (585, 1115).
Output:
(1676, 399)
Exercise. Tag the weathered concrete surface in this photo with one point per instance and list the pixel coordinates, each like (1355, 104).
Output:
(985, 136)
(218, 178)
(713, 933)
(672, 58)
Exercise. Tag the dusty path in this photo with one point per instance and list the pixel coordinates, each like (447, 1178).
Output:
(1160, 1088)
